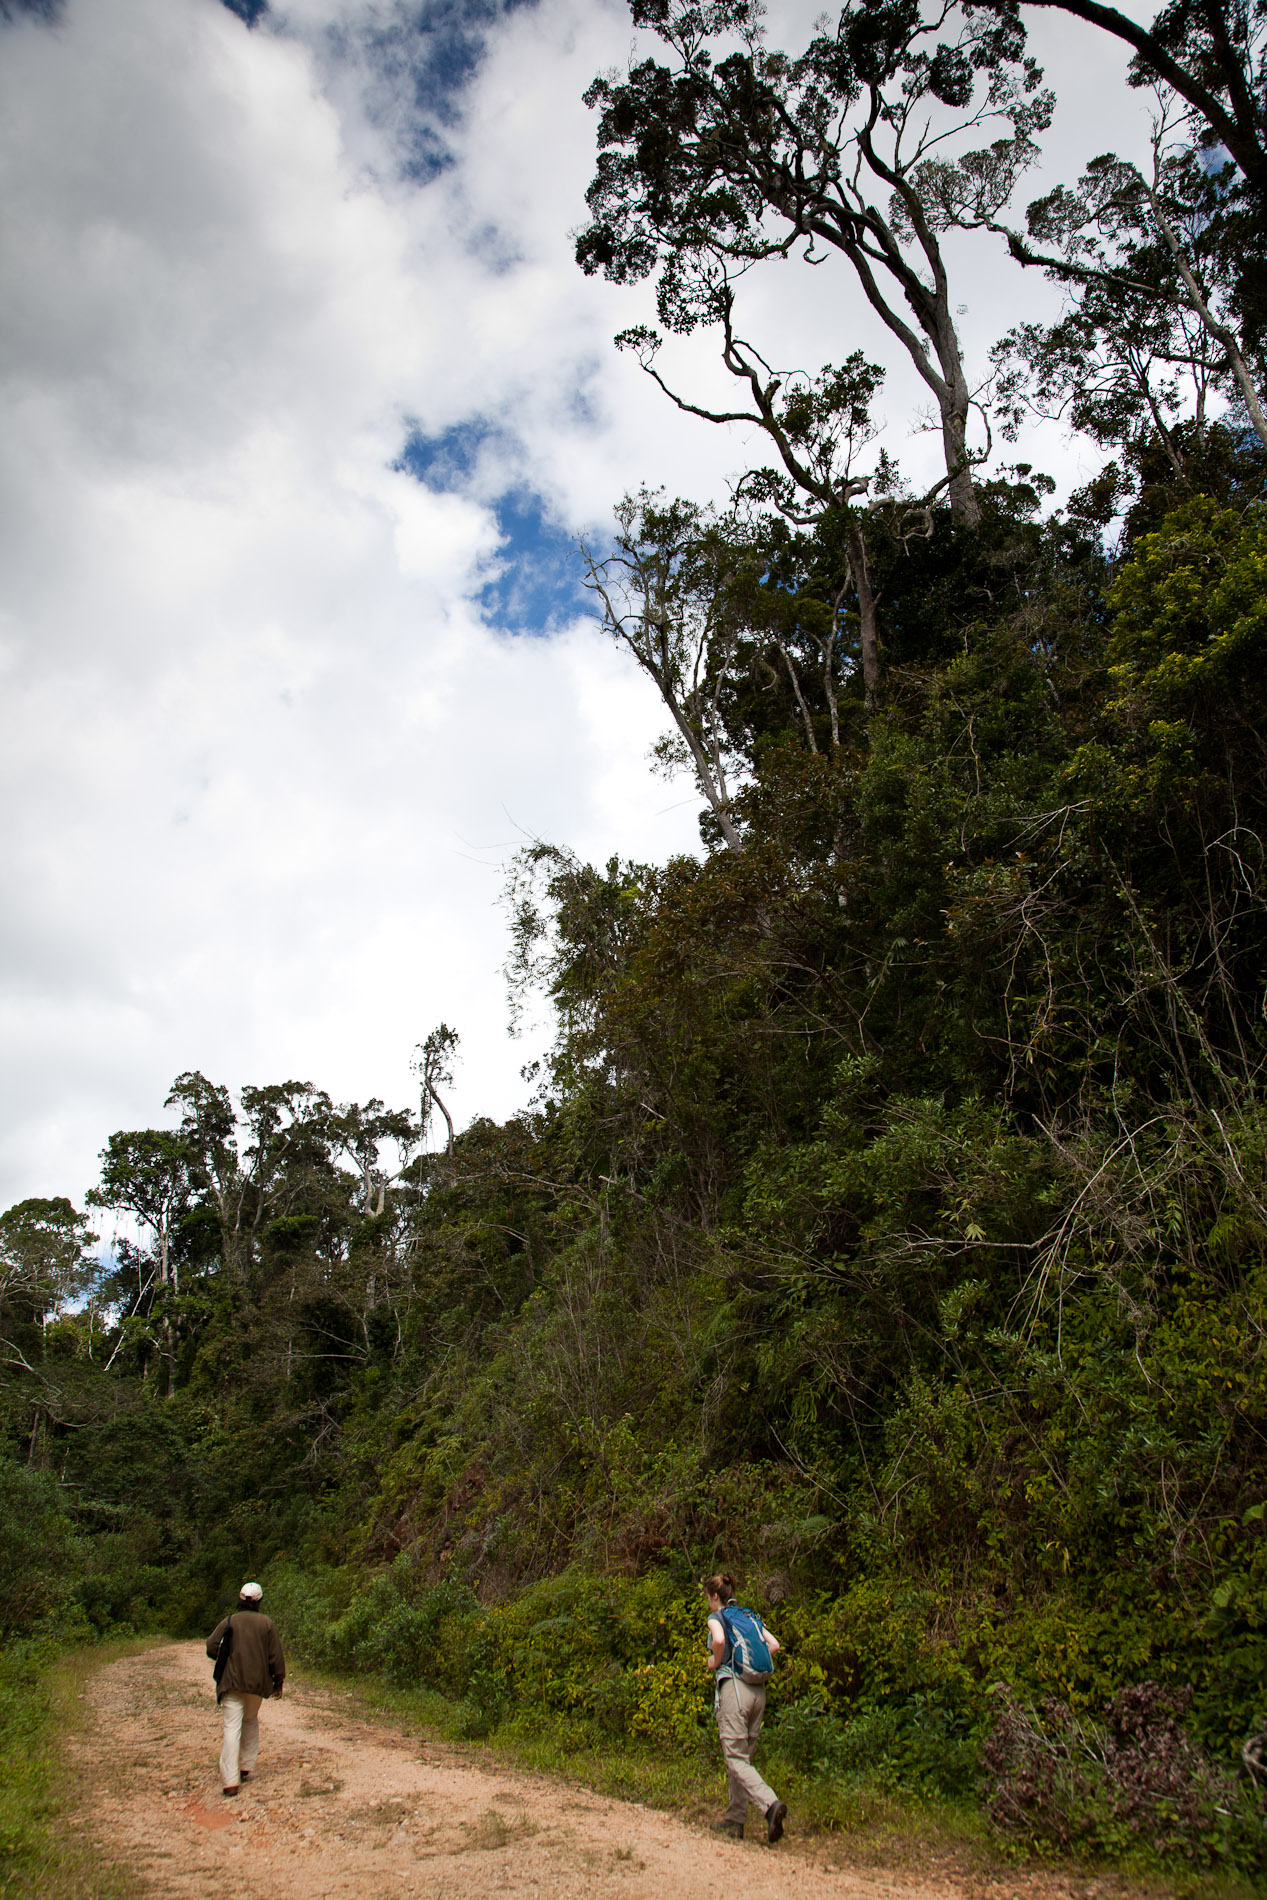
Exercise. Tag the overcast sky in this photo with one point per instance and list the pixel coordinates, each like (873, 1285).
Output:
(304, 400)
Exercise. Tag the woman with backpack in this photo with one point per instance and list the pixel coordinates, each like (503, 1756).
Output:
(741, 1657)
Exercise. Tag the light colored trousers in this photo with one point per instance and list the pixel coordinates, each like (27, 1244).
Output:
(740, 1708)
(241, 1736)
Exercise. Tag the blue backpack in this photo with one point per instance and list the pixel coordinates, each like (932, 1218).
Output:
(747, 1651)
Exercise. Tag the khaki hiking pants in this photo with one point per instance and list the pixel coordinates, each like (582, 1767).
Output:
(241, 1736)
(740, 1709)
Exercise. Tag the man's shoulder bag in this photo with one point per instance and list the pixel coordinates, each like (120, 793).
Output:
(222, 1654)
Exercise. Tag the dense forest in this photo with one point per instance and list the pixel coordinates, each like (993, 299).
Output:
(890, 1220)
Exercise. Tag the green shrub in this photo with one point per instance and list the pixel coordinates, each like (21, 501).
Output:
(1133, 1781)
(37, 1547)
(24, 1708)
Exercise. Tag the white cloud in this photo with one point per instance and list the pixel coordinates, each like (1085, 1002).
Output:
(257, 741)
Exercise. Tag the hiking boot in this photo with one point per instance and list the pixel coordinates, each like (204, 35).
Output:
(775, 1816)
(732, 1828)
(229, 1792)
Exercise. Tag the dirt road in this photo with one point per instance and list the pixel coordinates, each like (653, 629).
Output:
(345, 1807)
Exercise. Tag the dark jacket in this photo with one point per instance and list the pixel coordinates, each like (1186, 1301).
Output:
(256, 1665)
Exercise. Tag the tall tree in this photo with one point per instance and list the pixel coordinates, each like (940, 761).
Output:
(251, 1167)
(44, 1260)
(663, 597)
(734, 154)
(208, 1134)
(145, 1172)
(361, 1132)
(433, 1065)
(818, 426)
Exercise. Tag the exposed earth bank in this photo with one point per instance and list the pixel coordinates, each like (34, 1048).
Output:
(342, 1806)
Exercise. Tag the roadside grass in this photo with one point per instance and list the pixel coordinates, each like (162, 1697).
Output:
(42, 1857)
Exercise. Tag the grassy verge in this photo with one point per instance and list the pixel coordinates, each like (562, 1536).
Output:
(42, 1856)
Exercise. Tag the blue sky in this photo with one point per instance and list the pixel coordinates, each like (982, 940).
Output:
(534, 585)
(426, 57)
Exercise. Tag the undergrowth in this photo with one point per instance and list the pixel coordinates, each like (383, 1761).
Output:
(602, 1679)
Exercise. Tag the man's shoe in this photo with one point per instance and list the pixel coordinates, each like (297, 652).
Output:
(230, 1791)
(733, 1828)
(246, 1774)
(775, 1816)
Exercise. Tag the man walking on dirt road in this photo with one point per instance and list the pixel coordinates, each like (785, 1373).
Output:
(247, 1652)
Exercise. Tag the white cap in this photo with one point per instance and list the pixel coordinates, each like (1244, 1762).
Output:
(253, 1590)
